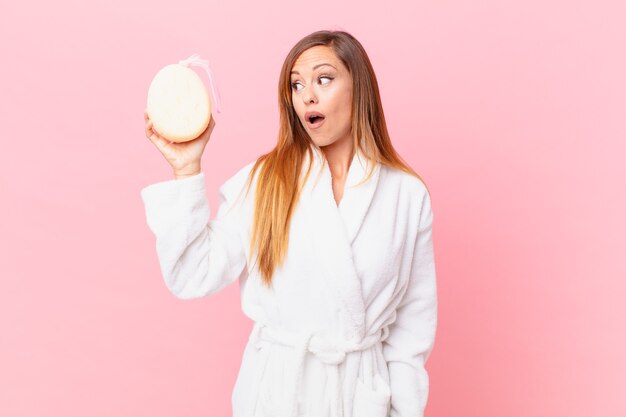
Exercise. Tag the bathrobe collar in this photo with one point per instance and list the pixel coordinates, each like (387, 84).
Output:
(356, 199)
(333, 230)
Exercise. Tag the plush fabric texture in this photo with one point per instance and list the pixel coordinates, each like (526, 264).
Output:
(351, 318)
(178, 103)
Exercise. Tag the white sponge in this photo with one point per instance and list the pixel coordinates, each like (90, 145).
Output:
(178, 103)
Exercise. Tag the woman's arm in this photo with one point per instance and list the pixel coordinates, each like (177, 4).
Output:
(197, 256)
(412, 335)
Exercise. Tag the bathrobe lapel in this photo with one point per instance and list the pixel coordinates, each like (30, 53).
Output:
(333, 229)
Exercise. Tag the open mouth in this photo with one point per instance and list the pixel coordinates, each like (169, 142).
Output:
(315, 119)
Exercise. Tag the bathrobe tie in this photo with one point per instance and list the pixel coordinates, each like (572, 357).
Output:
(331, 352)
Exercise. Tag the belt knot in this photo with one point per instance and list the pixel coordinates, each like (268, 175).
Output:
(327, 349)
(330, 357)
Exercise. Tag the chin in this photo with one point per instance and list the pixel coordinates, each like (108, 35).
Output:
(323, 144)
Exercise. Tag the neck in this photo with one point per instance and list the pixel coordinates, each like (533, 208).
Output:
(339, 156)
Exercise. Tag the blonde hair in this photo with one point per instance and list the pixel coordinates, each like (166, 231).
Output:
(279, 182)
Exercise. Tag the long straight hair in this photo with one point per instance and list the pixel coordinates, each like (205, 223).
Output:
(280, 182)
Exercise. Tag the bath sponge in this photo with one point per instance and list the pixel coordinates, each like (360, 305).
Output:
(178, 102)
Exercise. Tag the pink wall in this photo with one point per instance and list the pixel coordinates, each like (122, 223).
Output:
(513, 112)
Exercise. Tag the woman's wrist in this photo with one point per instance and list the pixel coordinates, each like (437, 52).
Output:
(187, 172)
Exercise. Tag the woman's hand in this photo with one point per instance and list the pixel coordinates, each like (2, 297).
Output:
(184, 157)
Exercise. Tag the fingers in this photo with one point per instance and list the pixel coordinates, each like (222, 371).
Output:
(211, 125)
(149, 129)
(152, 134)
(148, 122)
(155, 138)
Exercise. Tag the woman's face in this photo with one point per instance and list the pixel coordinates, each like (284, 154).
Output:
(322, 85)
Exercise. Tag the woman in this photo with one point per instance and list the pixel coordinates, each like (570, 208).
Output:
(330, 236)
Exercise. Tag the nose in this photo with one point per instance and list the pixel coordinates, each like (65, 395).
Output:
(309, 96)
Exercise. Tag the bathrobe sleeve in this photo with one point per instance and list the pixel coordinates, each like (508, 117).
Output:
(197, 256)
(411, 336)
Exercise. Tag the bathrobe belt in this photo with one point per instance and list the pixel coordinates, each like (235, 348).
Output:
(330, 351)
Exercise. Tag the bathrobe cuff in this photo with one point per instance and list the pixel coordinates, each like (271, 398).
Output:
(170, 190)
(412, 335)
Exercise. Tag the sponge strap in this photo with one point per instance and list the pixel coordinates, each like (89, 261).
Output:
(196, 61)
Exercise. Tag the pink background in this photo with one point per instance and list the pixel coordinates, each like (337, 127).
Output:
(512, 111)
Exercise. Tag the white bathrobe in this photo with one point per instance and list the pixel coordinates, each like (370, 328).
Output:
(351, 318)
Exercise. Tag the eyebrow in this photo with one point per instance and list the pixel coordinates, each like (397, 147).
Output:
(315, 67)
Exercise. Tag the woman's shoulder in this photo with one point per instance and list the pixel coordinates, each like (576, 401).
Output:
(404, 181)
(413, 190)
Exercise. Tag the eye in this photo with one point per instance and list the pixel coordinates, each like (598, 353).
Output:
(295, 85)
(327, 77)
